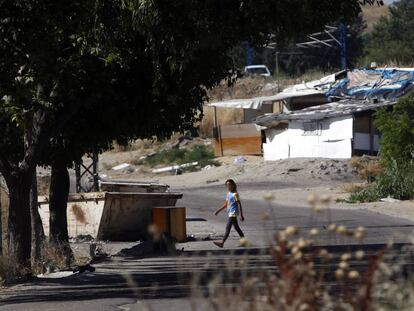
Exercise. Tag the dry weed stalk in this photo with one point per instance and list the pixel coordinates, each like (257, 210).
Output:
(367, 167)
(304, 273)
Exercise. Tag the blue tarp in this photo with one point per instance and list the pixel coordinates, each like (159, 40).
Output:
(379, 84)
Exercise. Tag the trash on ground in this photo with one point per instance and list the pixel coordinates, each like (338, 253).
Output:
(212, 181)
(121, 167)
(389, 200)
(55, 275)
(239, 160)
(174, 168)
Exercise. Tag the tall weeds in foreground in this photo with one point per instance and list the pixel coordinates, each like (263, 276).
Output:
(9, 271)
(305, 277)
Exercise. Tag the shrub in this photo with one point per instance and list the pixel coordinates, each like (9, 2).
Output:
(397, 131)
(397, 151)
(396, 181)
(369, 194)
(199, 153)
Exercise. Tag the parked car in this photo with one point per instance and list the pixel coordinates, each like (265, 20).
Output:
(257, 70)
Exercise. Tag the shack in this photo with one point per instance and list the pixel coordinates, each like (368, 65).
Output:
(335, 130)
(308, 94)
(243, 138)
(343, 126)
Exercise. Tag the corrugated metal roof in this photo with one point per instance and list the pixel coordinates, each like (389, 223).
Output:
(330, 110)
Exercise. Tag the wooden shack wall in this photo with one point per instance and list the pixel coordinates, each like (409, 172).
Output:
(238, 139)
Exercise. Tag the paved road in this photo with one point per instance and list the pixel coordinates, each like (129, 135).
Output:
(202, 202)
(164, 282)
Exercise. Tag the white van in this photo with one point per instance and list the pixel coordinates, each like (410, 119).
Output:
(257, 70)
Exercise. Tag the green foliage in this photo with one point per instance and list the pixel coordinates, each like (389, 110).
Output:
(76, 75)
(392, 39)
(396, 181)
(397, 150)
(397, 131)
(199, 153)
(369, 194)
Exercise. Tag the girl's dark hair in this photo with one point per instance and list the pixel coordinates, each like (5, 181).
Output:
(233, 183)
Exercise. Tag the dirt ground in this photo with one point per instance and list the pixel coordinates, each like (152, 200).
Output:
(294, 180)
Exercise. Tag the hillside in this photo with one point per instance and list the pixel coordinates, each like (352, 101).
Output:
(373, 14)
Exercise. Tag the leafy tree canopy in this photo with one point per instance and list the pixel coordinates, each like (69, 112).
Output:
(80, 73)
(161, 59)
(397, 130)
(392, 39)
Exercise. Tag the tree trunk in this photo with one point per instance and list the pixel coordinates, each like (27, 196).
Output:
(1, 217)
(38, 235)
(19, 218)
(58, 199)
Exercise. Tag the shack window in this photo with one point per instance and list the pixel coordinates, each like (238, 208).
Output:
(312, 129)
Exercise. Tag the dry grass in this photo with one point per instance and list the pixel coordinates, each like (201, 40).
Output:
(224, 117)
(368, 167)
(353, 187)
(372, 15)
(303, 278)
(243, 88)
(9, 271)
(54, 258)
(139, 144)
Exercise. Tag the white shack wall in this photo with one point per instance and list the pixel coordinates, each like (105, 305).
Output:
(333, 139)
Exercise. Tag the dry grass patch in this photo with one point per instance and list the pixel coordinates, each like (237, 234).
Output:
(9, 271)
(225, 116)
(367, 167)
(372, 15)
(353, 187)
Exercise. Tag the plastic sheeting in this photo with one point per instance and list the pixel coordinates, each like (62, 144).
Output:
(381, 84)
(320, 86)
(251, 103)
(360, 84)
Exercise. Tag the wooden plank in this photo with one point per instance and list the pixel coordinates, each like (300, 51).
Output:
(159, 219)
(242, 146)
(178, 224)
(371, 135)
(239, 139)
(172, 220)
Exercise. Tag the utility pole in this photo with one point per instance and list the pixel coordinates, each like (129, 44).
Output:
(277, 64)
(326, 39)
(343, 47)
(248, 53)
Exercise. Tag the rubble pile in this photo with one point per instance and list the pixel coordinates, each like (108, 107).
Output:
(326, 168)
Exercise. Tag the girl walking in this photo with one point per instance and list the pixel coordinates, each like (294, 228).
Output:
(234, 209)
